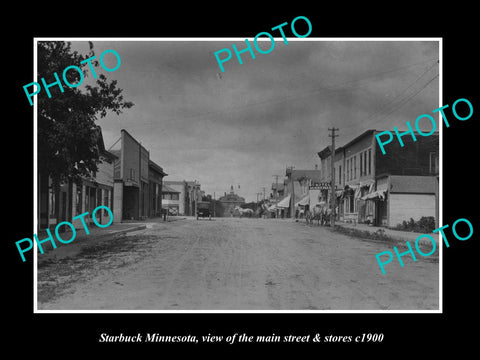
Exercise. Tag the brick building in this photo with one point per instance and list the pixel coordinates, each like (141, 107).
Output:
(379, 189)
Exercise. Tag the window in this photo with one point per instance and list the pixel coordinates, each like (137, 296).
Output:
(175, 196)
(361, 164)
(365, 162)
(369, 161)
(351, 169)
(340, 175)
(348, 172)
(355, 167)
(351, 199)
(132, 174)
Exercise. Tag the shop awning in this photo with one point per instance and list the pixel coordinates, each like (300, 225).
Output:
(353, 186)
(304, 201)
(376, 195)
(272, 208)
(367, 183)
(284, 203)
(358, 193)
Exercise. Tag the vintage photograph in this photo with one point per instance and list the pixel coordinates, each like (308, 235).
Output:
(251, 184)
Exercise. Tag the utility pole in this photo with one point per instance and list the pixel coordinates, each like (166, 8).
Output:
(263, 193)
(292, 197)
(332, 177)
(257, 199)
(214, 204)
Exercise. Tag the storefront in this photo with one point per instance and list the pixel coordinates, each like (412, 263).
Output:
(376, 205)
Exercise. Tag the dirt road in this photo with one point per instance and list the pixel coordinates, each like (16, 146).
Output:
(236, 264)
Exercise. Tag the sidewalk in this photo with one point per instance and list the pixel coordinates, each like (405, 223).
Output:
(81, 240)
(394, 234)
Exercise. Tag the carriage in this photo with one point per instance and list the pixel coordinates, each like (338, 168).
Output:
(320, 212)
(203, 210)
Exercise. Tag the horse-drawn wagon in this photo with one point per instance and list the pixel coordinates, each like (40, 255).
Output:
(203, 210)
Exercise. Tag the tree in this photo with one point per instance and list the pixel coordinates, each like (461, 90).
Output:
(67, 133)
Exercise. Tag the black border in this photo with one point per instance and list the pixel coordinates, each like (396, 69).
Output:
(406, 333)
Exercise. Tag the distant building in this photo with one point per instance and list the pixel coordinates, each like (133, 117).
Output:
(188, 194)
(179, 188)
(193, 195)
(278, 190)
(297, 185)
(171, 200)
(230, 201)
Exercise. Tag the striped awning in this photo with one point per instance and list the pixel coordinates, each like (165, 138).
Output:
(304, 201)
(284, 203)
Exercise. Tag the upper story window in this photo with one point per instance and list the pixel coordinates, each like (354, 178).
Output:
(369, 161)
(131, 174)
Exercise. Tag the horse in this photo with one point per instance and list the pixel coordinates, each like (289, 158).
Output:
(321, 212)
(244, 212)
(314, 214)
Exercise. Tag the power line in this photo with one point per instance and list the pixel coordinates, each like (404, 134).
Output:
(400, 93)
(401, 102)
(338, 87)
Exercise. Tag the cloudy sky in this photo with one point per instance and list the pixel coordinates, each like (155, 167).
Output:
(250, 122)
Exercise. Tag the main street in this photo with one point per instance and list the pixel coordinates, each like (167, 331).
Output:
(236, 264)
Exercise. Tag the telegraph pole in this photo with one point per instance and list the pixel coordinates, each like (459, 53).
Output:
(292, 197)
(263, 193)
(214, 204)
(332, 177)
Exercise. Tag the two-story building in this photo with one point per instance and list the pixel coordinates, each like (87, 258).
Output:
(171, 200)
(230, 201)
(131, 180)
(384, 189)
(155, 182)
(182, 196)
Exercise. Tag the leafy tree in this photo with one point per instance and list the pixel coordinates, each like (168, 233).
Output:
(67, 133)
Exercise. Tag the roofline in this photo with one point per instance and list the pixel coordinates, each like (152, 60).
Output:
(138, 142)
(362, 135)
(169, 191)
(109, 154)
(158, 168)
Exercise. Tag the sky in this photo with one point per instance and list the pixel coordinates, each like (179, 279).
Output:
(244, 125)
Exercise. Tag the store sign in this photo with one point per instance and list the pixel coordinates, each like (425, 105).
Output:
(320, 186)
